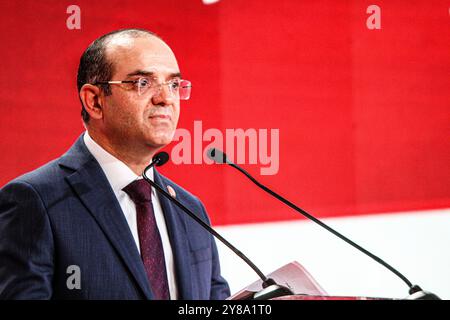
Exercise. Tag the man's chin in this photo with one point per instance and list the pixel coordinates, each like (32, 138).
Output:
(159, 142)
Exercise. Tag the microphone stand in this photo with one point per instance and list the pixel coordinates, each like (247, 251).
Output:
(415, 292)
(270, 288)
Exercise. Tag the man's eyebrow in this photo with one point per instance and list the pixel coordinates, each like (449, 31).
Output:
(151, 73)
(140, 73)
(175, 75)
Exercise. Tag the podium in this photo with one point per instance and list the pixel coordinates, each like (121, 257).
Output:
(296, 278)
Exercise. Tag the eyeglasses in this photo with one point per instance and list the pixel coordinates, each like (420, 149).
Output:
(178, 88)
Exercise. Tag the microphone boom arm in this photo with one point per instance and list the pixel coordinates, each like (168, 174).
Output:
(336, 233)
(266, 281)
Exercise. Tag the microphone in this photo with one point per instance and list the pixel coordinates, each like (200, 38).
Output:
(270, 288)
(414, 290)
(218, 156)
(158, 160)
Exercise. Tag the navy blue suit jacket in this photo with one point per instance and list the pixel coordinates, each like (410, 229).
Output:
(65, 213)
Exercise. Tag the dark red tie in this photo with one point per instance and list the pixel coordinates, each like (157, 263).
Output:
(149, 238)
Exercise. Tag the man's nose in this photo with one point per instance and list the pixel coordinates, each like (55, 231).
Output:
(163, 95)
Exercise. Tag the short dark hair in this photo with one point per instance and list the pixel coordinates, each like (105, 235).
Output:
(94, 66)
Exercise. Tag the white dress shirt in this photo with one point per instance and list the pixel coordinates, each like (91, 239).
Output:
(119, 176)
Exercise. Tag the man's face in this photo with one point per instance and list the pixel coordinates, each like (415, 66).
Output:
(148, 120)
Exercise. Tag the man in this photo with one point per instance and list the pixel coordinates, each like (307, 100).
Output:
(86, 226)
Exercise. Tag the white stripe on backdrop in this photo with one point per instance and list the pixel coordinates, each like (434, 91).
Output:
(415, 243)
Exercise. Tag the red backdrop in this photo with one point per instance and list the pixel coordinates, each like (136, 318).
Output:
(363, 115)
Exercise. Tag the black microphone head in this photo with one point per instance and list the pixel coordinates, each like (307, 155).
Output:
(211, 153)
(217, 156)
(160, 158)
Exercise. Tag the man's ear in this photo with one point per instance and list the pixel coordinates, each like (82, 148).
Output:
(92, 102)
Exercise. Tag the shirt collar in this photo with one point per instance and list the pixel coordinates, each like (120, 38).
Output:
(117, 172)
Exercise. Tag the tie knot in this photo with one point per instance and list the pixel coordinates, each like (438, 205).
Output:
(139, 191)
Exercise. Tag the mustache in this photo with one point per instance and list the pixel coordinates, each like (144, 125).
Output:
(160, 112)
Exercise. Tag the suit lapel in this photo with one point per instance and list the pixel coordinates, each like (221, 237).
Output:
(92, 187)
(176, 227)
